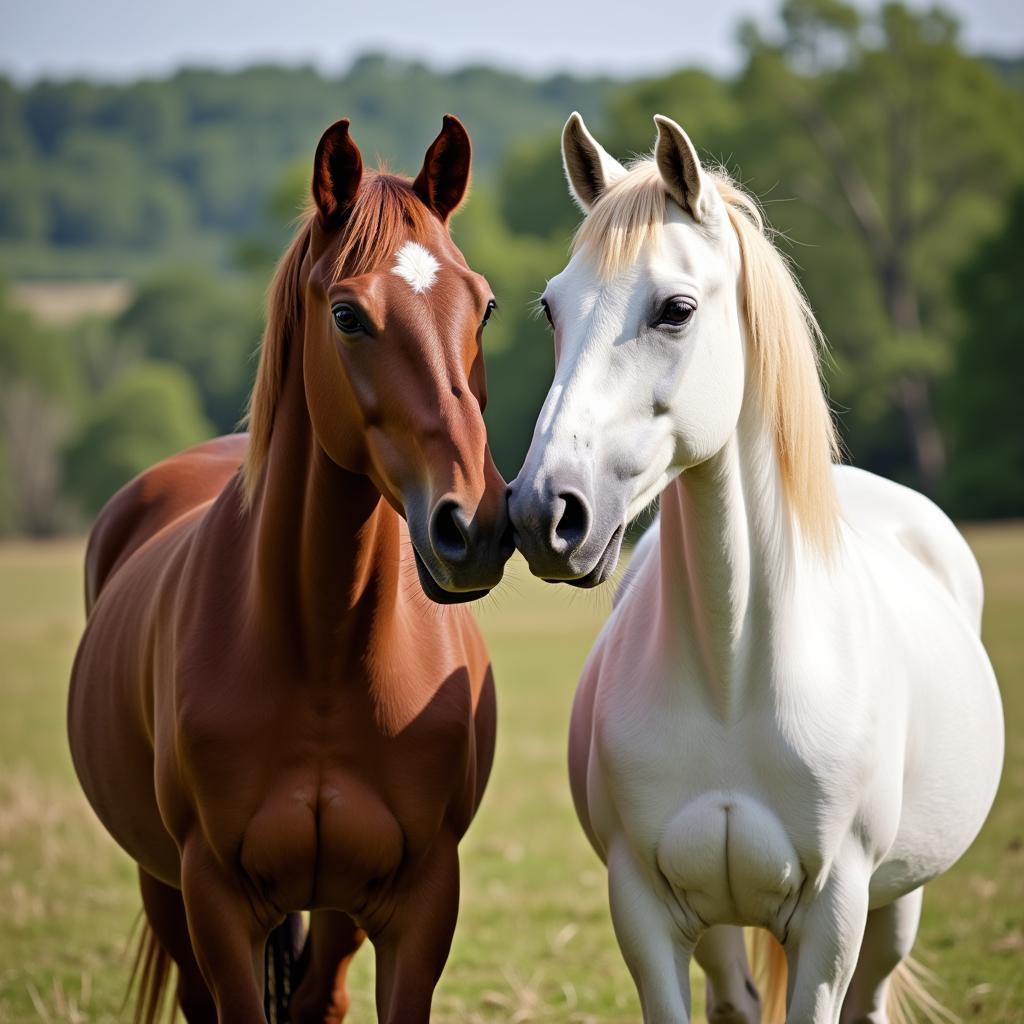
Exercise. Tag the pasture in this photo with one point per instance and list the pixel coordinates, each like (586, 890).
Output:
(534, 941)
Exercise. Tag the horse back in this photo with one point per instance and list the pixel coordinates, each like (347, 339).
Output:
(156, 498)
(876, 507)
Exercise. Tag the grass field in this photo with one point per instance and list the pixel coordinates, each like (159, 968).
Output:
(534, 940)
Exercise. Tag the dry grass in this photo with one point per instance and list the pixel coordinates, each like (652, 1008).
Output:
(534, 942)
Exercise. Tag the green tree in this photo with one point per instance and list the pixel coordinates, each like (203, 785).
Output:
(982, 396)
(39, 390)
(705, 105)
(531, 191)
(148, 413)
(899, 149)
(206, 325)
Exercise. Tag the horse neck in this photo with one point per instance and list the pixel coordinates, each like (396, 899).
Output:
(328, 546)
(727, 561)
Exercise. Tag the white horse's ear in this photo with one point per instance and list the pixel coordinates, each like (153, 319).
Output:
(680, 169)
(588, 168)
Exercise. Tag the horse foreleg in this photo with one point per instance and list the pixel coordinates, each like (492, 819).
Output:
(656, 951)
(888, 940)
(823, 945)
(412, 947)
(165, 912)
(229, 931)
(731, 995)
(334, 939)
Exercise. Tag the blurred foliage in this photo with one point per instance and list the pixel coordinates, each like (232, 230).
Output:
(123, 169)
(209, 327)
(148, 413)
(983, 394)
(39, 387)
(884, 154)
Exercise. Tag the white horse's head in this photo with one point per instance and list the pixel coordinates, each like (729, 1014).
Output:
(673, 308)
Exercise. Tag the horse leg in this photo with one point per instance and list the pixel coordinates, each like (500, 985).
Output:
(412, 947)
(333, 941)
(650, 940)
(731, 995)
(888, 939)
(165, 912)
(229, 928)
(822, 947)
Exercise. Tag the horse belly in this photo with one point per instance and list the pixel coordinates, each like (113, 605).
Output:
(729, 860)
(112, 751)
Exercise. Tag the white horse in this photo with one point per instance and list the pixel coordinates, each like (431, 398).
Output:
(789, 720)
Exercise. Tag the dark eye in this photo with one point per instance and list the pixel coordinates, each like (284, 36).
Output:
(491, 307)
(346, 319)
(547, 312)
(676, 312)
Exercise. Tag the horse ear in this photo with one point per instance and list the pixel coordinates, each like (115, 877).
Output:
(588, 168)
(680, 169)
(444, 177)
(337, 172)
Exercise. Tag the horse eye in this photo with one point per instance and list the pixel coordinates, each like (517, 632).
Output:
(676, 312)
(491, 307)
(547, 312)
(346, 319)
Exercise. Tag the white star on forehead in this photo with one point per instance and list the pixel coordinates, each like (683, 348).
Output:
(416, 265)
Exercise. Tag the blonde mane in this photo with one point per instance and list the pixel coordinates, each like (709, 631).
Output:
(386, 213)
(783, 335)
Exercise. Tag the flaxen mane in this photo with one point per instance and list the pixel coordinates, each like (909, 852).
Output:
(783, 335)
(385, 214)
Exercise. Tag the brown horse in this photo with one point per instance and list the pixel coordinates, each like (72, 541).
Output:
(265, 710)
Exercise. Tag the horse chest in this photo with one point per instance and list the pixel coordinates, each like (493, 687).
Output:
(325, 841)
(734, 815)
(312, 797)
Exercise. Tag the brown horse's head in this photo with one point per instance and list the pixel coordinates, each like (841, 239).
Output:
(391, 325)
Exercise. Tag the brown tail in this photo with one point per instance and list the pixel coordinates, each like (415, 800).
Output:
(908, 1000)
(150, 975)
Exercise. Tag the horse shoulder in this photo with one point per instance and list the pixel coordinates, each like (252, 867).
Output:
(154, 499)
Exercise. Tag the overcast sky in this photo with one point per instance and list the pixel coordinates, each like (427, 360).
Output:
(117, 39)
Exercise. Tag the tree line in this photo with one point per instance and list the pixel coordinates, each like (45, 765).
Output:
(890, 161)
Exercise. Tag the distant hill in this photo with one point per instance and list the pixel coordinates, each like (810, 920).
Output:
(1010, 68)
(102, 179)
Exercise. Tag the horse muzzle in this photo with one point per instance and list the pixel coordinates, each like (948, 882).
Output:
(462, 557)
(559, 532)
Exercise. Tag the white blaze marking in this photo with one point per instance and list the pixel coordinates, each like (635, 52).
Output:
(416, 265)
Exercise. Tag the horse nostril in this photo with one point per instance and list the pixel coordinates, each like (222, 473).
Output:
(449, 532)
(573, 525)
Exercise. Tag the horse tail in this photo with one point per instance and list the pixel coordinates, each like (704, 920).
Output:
(908, 999)
(150, 975)
(768, 964)
(285, 962)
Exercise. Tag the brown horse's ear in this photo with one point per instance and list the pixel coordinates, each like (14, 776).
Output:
(337, 171)
(444, 177)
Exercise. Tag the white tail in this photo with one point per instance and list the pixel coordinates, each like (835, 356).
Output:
(909, 1000)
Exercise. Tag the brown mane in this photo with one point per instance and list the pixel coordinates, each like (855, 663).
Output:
(386, 213)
